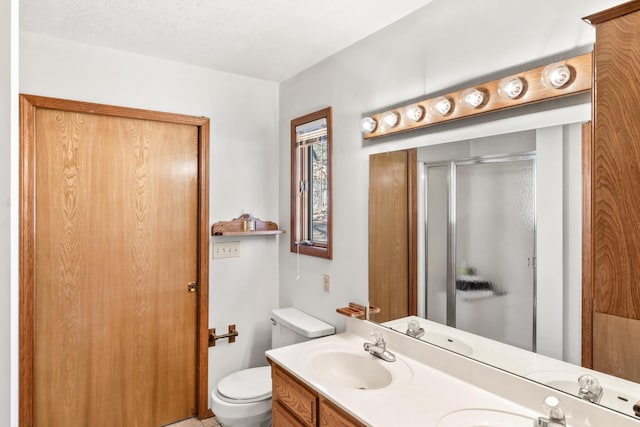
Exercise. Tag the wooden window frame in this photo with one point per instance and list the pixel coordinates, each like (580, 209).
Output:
(300, 214)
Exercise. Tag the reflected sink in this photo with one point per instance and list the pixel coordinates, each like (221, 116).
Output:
(352, 370)
(613, 397)
(448, 342)
(441, 340)
(484, 418)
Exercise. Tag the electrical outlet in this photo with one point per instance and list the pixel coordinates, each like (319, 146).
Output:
(326, 282)
(226, 250)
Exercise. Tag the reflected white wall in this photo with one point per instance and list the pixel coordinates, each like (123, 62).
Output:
(549, 222)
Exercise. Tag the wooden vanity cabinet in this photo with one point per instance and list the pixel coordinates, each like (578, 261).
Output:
(611, 322)
(297, 405)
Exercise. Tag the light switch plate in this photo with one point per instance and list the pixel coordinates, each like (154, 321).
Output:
(226, 250)
(326, 282)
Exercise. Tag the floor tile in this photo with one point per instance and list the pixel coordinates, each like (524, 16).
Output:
(191, 422)
(210, 422)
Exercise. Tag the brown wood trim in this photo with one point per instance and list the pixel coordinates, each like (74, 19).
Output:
(587, 246)
(535, 92)
(202, 364)
(412, 199)
(317, 251)
(613, 12)
(112, 110)
(28, 106)
(27, 261)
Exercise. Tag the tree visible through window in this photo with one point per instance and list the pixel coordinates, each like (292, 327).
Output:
(311, 184)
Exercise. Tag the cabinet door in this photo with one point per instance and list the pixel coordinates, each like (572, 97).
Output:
(331, 416)
(283, 418)
(295, 396)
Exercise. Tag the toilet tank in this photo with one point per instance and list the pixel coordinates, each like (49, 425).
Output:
(291, 326)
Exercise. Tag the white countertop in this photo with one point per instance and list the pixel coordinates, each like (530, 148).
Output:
(418, 396)
(429, 383)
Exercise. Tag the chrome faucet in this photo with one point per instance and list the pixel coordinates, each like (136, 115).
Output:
(555, 414)
(414, 330)
(590, 388)
(379, 348)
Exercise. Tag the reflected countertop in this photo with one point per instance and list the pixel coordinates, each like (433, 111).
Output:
(619, 394)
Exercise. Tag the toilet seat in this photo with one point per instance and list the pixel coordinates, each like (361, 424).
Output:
(246, 386)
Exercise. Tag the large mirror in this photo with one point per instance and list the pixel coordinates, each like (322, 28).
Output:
(476, 246)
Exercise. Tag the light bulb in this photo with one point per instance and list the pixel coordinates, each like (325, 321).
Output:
(441, 106)
(511, 87)
(391, 119)
(368, 125)
(556, 75)
(415, 113)
(472, 97)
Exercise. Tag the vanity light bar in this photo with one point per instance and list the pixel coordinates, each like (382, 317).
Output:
(563, 78)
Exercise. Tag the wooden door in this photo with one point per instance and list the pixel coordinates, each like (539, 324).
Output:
(392, 234)
(116, 244)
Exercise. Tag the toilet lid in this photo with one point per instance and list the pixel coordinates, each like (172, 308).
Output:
(249, 385)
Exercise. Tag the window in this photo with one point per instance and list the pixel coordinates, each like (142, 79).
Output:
(311, 184)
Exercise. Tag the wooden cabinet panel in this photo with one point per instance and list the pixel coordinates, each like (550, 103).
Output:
(611, 263)
(283, 418)
(295, 396)
(615, 346)
(616, 167)
(331, 416)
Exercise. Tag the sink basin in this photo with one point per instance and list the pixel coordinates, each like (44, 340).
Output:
(613, 396)
(484, 418)
(448, 342)
(351, 370)
(441, 339)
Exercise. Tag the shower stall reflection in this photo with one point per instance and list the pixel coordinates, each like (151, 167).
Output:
(480, 246)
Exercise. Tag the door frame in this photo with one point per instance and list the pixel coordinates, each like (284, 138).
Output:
(28, 107)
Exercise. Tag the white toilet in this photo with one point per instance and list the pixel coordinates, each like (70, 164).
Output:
(243, 399)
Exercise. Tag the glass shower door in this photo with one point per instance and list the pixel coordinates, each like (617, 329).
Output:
(493, 221)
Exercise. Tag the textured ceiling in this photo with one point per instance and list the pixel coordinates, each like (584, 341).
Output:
(266, 39)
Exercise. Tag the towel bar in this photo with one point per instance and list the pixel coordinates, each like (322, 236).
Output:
(231, 336)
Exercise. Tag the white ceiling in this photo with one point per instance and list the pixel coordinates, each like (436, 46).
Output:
(266, 39)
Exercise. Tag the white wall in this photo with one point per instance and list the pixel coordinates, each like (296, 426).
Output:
(572, 243)
(444, 45)
(8, 151)
(549, 243)
(244, 163)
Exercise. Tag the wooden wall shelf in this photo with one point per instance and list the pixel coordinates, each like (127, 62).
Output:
(249, 233)
(239, 227)
(357, 310)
